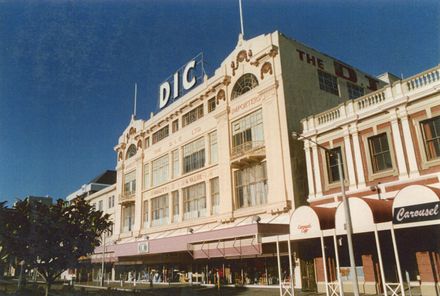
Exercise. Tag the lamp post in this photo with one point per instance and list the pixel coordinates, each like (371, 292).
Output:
(348, 224)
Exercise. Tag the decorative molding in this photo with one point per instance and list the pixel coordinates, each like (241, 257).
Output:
(266, 68)
(242, 56)
(221, 96)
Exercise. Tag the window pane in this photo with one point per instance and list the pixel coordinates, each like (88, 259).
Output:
(431, 134)
(380, 153)
(251, 186)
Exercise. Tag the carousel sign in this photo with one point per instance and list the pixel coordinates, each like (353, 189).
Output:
(417, 213)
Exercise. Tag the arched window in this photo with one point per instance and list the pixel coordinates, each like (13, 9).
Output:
(131, 151)
(244, 84)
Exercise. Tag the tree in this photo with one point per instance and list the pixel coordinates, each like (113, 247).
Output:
(51, 238)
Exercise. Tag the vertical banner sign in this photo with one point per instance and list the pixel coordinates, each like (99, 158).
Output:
(181, 82)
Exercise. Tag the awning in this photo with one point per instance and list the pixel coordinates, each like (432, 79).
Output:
(309, 222)
(365, 214)
(238, 240)
(416, 205)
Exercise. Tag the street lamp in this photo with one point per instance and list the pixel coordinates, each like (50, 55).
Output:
(348, 224)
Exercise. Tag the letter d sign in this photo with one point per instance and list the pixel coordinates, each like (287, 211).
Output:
(164, 94)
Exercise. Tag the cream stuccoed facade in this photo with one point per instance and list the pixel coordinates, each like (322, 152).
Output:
(218, 166)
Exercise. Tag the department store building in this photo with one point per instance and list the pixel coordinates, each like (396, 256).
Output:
(205, 184)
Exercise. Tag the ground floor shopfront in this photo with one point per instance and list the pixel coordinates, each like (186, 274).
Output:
(396, 244)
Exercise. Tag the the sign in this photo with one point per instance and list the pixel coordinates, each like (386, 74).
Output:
(181, 82)
(416, 213)
(143, 247)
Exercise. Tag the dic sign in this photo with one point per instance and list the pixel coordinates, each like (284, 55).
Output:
(181, 82)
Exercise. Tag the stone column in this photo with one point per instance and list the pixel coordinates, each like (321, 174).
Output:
(224, 166)
(398, 148)
(358, 157)
(317, 169)
(409, 144)
(310, 179)
(138, 195)
(118, 208)
(180, 205)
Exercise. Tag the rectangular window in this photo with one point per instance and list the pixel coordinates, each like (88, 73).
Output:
(130, 183)
(380, 153)
(160, 210)
(194, 155)
(175, 126)
(328, 82)
(111, 201)
(128, 218)
(354, 91)
(100, 205)
(211, 105)
(175, 156)
(213, 147)
(332, 164)
(147, 142)
(251, 186)
(145, 213)
(192, 115)
(160, 170)
(431, 137)
(175, 195)
(194, 201)
(161, 134)
(215, 196)
(147, 180)
(247, 133)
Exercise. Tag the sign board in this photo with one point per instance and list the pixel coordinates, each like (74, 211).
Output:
(143, 247)
(182, 81)
(417, 213)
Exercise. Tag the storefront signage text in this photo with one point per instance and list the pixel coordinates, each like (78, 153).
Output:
(416, 213)
(304, 228)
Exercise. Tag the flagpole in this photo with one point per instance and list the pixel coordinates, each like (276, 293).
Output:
(135, 99)
(241, 19)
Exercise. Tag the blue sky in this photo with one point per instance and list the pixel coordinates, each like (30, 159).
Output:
(68, 68)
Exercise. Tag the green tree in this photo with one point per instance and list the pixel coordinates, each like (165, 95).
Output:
(51, 238)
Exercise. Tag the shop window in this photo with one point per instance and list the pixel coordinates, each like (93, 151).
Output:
(211, 105)
(131, 151)
(160, 170)
(328, 82)
(251, 186)
(331, 156)
(194, 201)
(354, 91)
(244, 84)
(160, 210)
(192, 115)
(161, 134)
(215, 195)
(431, 137)
(194, 155)
(380, 153)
